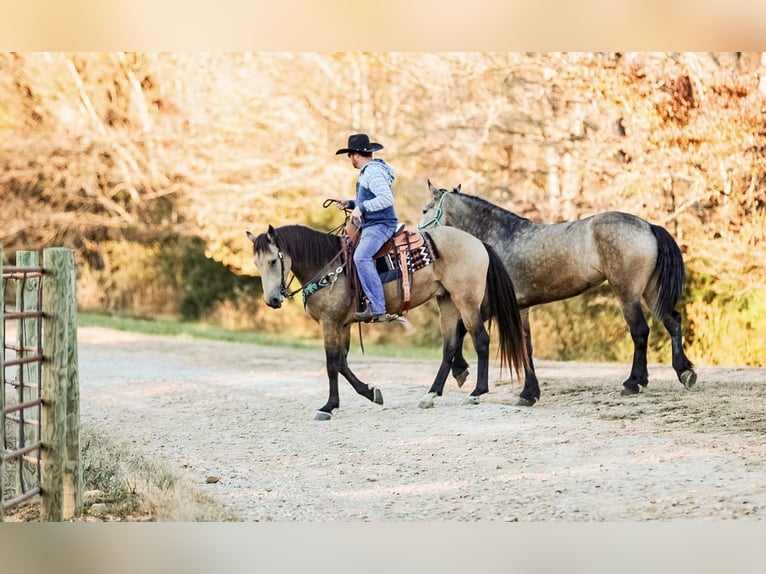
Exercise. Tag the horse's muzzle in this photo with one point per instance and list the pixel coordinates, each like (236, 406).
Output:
(274, 302)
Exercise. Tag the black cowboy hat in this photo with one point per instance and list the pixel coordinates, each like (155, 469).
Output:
(359, 143)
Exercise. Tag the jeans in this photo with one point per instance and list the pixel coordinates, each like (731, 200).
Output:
(372, 239)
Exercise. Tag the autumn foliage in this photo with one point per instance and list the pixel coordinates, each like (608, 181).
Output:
(139, 161)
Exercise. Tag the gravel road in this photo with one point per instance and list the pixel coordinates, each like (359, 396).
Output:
(244, 414)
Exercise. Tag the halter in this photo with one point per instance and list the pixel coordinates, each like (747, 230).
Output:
(283, 288)
(438, 214)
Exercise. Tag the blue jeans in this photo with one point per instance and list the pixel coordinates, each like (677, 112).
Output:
(372, 239)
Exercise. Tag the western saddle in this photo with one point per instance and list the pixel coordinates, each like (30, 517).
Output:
(399, 247)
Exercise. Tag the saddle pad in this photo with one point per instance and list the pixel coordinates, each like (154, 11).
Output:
(417, 258)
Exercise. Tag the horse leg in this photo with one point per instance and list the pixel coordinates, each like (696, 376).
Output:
(372, 393)
(480, 339)
(336, 344)
(449, 321)
(530, 394)
(333, 358)
(681, 364)
(639, 332)
(459, 364)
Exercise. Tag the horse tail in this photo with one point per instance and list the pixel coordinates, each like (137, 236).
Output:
(670, 272)
(505, 309)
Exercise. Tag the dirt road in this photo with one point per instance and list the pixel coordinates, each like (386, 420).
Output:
(244, 414)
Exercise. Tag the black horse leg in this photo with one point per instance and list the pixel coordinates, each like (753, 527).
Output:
(371, 393)
(449, 349)
(639, 332)
(450, 324)
(336, 344)
(681, 363)
(459, 364)
(333, 358)
(530, 394)
(481, 343)
(368, 392)
(336, 363)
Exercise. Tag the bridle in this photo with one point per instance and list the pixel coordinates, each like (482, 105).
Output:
(438, 214)
(284, 287)
(317, 282)
(310, 286)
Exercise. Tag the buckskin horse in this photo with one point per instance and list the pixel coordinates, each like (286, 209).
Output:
(550, 262)
(466, 277)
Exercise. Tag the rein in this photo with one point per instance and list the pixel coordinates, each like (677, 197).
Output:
(322, 280)
(318, 281)
(438, 214)
(346, 249)
(312, 286)
(326, 280)
(327, 203)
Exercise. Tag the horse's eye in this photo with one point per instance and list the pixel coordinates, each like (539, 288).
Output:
(273, 263)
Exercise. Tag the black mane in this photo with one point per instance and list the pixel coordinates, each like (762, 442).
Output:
(482, 212)
(314, 248)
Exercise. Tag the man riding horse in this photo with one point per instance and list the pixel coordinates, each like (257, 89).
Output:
(373, 212)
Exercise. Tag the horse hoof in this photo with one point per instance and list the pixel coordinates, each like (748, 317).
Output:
(427, 401)
(688, 378)
(461, 377)
(322, 416)
(522, 402)
(629, 391)
(377, 396)
(471, 401)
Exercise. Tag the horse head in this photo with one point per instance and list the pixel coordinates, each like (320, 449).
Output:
(432, 211)
(273, 265)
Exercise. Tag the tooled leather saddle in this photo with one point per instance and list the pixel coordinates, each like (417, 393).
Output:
(398, 258)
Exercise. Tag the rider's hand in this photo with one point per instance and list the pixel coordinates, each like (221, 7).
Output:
(357, 213)
(342, 204)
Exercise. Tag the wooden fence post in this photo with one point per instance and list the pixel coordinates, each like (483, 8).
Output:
(27, 337)
(73, 453)
(61, 473)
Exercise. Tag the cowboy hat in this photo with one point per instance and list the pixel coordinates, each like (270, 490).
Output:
(359, 143)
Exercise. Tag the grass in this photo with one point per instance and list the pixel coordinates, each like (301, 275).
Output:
(122, 486)
(175, 328)
(129, 487)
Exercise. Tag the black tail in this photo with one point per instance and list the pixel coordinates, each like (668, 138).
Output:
(505, 308)
(670, 265)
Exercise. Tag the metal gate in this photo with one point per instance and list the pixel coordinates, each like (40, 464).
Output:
(39, 390)
(22, 376)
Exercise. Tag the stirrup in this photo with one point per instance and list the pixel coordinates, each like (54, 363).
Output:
(384, 317)
(367, 316)
(363, 316)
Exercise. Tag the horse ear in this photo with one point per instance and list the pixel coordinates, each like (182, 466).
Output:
(432, 188)
(250, 236)
(272, 234)
(457, 189)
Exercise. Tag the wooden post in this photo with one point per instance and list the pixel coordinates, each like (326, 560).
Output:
(60, 475)
(27, 337)
(73, 454)
(2, 386)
